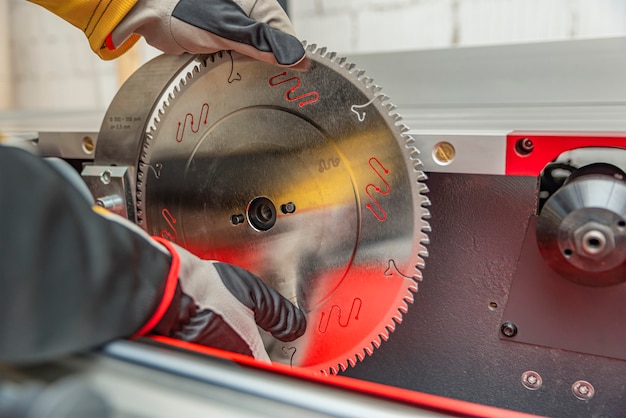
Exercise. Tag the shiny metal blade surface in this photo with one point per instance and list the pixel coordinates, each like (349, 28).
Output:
(303, 176)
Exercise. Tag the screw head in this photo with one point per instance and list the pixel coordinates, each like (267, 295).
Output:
(508, 329)
(288, 208)
(583, 390)
(531, 380)
(237, 219)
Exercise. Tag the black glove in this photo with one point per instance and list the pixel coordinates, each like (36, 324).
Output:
(257, 28)
(71, 280)
(220, 305)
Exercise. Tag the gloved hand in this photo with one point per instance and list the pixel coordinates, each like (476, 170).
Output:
(257, 28)
(220, 305)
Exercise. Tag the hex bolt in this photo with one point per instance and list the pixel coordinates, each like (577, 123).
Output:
(583, 390)
(288, 208)
(531, 380)
(105, 177)
(508, 329)
(594, 240)
(237, 219)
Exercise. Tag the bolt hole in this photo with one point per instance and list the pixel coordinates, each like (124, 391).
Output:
(262, 214)
(524, 147)
(593, 242)
(567, 253)
(621, 224)
(493, 306)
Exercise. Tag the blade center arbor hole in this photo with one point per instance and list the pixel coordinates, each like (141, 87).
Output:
(261, 213)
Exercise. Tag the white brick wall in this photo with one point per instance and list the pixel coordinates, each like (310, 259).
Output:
(47, 64)
(53, 66)
(6, 91)
(358, 26)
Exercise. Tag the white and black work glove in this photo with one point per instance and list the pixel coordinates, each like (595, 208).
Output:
(256, 28)
(220, 305)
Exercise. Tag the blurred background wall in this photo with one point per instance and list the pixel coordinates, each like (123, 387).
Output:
(46, 64)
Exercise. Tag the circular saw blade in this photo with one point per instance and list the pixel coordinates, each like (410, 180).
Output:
(303, 176)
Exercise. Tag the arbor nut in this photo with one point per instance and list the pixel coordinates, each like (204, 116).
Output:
(594, 240)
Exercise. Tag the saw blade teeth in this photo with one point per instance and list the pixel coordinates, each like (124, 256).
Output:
(384, 99)
(322, 51)
(410, 145)
(410, 298)
(376, 343)
(422, 188)
(341, 61)
(345, 364)
(384, 335)
(375, 88)
(331, 56)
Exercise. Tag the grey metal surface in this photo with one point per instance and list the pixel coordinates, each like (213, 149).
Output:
(575, 85)
(449, 343)
(68, 145)
(450, 151)
(252, 391)
(224, 144)
(552, 310)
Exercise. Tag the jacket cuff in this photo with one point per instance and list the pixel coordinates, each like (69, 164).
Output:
(108, 51)
(168, 293)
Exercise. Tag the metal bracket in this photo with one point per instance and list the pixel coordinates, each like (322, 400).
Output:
(112, 188)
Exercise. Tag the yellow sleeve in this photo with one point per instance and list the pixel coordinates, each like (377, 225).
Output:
(96, 18)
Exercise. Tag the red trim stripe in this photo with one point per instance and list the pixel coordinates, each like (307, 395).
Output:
(423, 400)
(168, 293)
